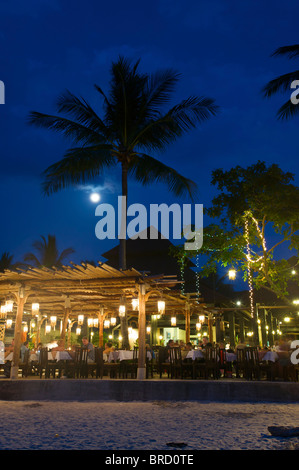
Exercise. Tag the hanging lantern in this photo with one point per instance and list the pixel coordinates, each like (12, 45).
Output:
(198, 326)
(106, 323)
(25, 328)
(9, 323)
(80, 319)
(173, 321)
(135, 304)
(3, 310)
(35, 308)
(96, 322)
(232, 274)
(201, 318)
(161, 306)
(113, 321)
(48, 329)
(9, 305)
(53, 320)
(78, 331)
(90, 322)
(148, 329)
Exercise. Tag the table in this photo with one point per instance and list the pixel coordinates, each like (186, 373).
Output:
(195, 354)
(62, 356)
(123, 355)
(198, 353)
(268, 356)
(231, 357)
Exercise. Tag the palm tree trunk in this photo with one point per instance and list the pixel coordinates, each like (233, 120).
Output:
(122, 242)
(123, 254)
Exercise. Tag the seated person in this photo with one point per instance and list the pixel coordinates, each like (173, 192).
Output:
(108, 348)
(59, 347)
(23, 349)
(186, 349)
(87, 345)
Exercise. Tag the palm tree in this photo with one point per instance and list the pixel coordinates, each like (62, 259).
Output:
(283, 82)
(6, 262)
(133, 124)
(48, 253)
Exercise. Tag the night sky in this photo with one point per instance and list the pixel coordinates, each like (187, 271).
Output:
(222, 50)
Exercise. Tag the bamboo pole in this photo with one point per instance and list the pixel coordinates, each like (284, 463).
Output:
(21, 299)
(141, 370)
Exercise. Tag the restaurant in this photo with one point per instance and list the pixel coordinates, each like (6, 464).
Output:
(132, 305)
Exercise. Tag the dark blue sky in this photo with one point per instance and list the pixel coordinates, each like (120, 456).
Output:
(221, 48)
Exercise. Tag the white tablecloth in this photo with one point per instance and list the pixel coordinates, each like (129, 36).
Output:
(270, 356)
(230, 357)
(198, 353)
(123, 355)
(195, 354)
(63, 356)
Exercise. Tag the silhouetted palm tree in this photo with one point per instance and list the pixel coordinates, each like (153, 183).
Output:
(6, 262)
(48, 254)
(283, 83)
(133, 124)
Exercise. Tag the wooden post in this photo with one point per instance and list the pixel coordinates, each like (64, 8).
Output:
(241, 324)
(210, 327)
(232, 332)
(141, 370)
(101, 327)
(187, 321)
(21, 300)
(67, 311)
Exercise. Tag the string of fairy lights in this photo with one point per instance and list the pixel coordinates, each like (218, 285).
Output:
(249, 258)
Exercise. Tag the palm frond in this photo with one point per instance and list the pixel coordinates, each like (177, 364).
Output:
(291, 51)
(160, 87)
(193, 110)
(82, 112)
(78, 166)
(69, 129)
(281, 83)
(158, 133)
(147, 170)
(288, 110)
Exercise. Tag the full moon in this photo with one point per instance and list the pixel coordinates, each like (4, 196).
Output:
(95, 197)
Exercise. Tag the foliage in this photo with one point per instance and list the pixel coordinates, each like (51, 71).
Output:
(283, 83)
(133, 123)
(48, 254)
(266, 201)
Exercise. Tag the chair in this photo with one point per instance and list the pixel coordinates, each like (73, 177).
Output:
(25, 366)
(212, 362)
(268, 369)
(253, 363)
(86, 366)
(175, 362)
(199, 368)
(47, 367)
(224, 364)
(180, 368)
(163, 363)
(105, 368)
(129, 366)
(241, 363)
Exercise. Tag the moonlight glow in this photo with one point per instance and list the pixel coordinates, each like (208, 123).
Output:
(95, 197)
